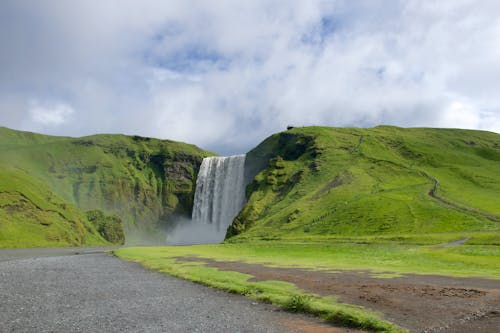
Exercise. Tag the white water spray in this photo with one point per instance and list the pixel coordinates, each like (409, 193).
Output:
(219, 196)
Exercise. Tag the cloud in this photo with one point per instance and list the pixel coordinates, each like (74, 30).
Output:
(50, 114)
(225, 75)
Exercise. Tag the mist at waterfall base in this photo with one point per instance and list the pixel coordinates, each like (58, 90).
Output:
(185, 231)
(219, 196)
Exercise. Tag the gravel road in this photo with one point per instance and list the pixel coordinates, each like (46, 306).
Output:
(96, 292)
(15, 254)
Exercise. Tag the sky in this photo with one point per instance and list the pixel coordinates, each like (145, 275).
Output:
(226, 74)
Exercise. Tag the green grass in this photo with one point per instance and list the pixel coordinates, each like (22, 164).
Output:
(386, 256)
(33, 216)
(279, 293)
(475, 238)
(143, 180)
(382, 257)
(318, 181)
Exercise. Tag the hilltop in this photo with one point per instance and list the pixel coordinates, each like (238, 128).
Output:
(142, 181)
(322, 182)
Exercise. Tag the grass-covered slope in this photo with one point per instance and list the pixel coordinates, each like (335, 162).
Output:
(145, 181)
(317, 182)
(31, 215)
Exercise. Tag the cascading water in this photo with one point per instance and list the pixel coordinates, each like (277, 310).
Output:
(219, 196)
(220, 191)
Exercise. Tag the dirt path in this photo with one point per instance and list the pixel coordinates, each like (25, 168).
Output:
(421, 303)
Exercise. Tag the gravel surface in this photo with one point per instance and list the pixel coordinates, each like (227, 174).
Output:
(97, 292)
(15, 254)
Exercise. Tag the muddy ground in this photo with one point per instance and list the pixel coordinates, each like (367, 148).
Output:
(420, 303)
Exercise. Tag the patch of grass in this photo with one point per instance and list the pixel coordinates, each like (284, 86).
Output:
(463, 260)
(298, 303)
(475, 238)
(279, 293)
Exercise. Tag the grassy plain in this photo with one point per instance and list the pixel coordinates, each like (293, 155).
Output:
(383, 257)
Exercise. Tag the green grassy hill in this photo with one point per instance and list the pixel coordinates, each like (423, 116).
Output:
(31, 215)
(145, 181)
(319, 182)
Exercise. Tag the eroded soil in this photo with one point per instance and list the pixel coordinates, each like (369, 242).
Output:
(421, 303)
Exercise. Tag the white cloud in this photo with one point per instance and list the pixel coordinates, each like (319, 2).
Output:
(460, 115)
(224, 75)
(50, 114)
(490, 122)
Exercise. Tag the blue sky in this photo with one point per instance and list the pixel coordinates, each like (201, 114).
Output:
(226, 74)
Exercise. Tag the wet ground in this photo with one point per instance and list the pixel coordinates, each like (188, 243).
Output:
(421, 303)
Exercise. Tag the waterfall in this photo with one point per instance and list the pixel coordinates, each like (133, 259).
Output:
(219, 196)
(220, 192)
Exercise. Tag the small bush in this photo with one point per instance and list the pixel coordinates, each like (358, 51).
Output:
(110, 227)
